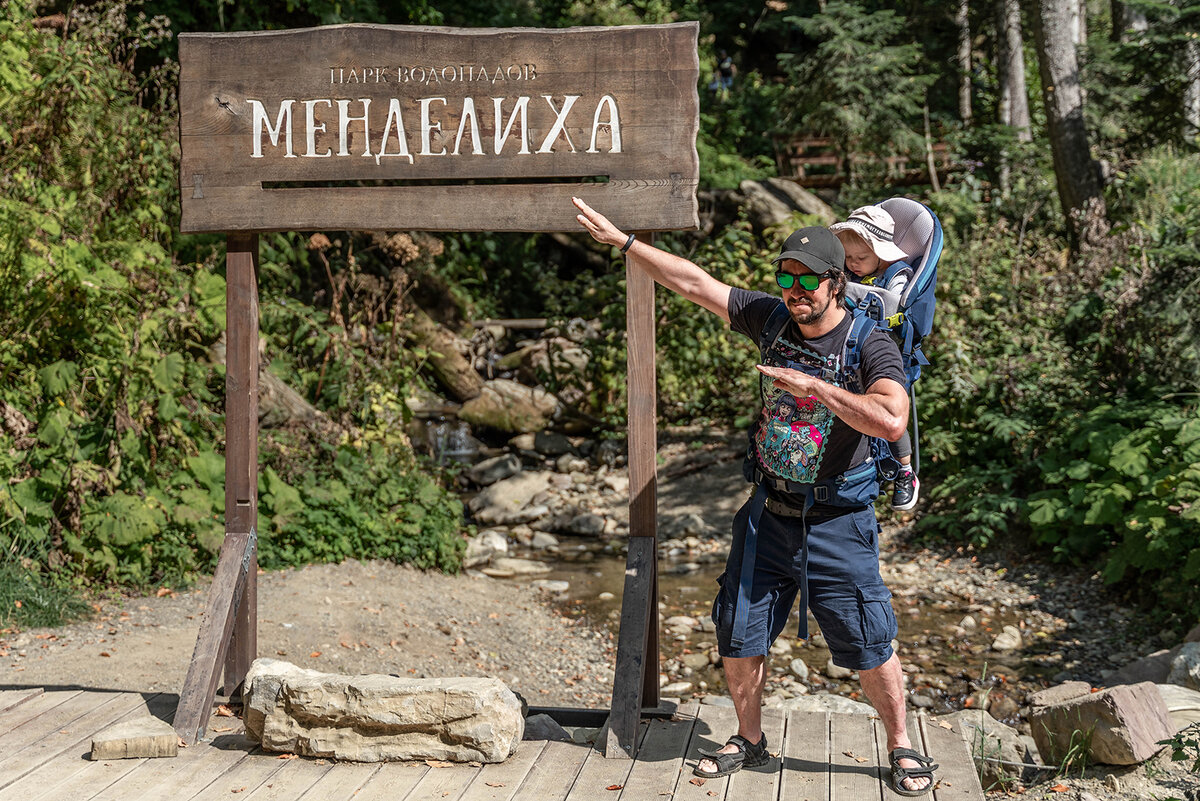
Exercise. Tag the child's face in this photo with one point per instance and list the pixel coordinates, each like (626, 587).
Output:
(860, 258)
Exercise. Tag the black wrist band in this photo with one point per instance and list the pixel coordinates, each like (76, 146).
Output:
(628, 243)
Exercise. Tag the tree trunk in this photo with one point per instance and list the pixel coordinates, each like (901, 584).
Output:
(1078, 9)
(963, 20)
(445, 353)
(1014, 96)
(1076, 172)
(1125, 19)
(1191, 90)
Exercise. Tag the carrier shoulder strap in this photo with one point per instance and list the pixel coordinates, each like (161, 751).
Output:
(772, 328)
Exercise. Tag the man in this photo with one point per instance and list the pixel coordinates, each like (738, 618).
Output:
(810, 528)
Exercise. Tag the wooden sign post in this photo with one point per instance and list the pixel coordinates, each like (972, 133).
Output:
(385, 128)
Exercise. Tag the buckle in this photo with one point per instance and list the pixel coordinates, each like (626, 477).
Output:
(894, 320)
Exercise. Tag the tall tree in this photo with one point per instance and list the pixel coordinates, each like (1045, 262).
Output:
(962, 21)
(1014, 98)
(1077, 174)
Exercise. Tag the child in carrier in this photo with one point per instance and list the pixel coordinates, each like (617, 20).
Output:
(873, 258)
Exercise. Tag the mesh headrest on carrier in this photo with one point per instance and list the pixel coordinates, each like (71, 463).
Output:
(914, 233)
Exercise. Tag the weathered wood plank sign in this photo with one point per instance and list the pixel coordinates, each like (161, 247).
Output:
(378, 127)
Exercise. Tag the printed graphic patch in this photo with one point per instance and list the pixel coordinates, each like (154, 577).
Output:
(791, 433)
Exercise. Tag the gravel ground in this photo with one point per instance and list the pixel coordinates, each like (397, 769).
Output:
(355, 617)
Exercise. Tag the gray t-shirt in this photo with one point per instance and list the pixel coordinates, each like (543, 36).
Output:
(800, 439)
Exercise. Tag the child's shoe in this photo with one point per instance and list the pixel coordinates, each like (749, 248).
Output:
(904, 492)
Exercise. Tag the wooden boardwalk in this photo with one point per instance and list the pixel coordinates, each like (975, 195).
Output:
(45, 739)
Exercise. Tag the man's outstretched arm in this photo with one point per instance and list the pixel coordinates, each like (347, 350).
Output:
(676, 274)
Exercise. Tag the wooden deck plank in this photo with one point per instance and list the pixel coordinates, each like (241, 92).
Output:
(167, 779)
(763, 781)
(713, 726)
(13, 698)
(67, 734)
(551, 777)
(58, 775)
(956, 776)
(392, 781)
(805, 757)
(15, 718)
(291, 782)
(50, 720)
(444, 784)
(599, 772)
(854, 774)
(249, 773)
(499, 781)
(342, 781)
(659, 764)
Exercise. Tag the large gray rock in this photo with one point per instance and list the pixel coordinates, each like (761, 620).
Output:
(509, 406)
(1183, 704)
(992, 744)
(764, 207)
(1155, 667)
(802, 200)
(506, 502)
(1119, 726)
(484, 546)
(1185, 667)
(375, 718)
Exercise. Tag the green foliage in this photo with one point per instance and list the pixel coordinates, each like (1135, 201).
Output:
(110, 410)
(29, 599)
(859, 85)
(1185, 745)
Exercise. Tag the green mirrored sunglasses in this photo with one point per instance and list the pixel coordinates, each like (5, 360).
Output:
(808, 281)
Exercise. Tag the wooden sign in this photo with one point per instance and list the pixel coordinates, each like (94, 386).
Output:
(379, 127)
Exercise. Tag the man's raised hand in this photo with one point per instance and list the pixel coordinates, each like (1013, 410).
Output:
(598, 225)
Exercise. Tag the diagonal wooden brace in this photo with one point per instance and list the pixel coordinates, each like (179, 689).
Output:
(216, 630)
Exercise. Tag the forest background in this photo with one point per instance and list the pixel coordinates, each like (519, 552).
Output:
(1059, 416)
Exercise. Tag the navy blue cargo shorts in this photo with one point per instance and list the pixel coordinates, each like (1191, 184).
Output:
(836, 576)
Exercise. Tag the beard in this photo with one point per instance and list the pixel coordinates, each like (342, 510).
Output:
(814, 315)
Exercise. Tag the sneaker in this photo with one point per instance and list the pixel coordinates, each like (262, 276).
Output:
(904, 491)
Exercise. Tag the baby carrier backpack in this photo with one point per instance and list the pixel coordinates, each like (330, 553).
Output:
(908, 316)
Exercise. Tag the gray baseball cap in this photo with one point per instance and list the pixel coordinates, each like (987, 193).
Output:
(816, 248)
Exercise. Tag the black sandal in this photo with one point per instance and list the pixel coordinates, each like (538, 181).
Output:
(748, 755)
(900, 773)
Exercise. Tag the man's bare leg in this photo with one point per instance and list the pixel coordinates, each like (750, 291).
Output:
(884, 687)
(745, 677)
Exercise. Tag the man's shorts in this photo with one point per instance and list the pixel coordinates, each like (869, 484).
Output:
(843, 589)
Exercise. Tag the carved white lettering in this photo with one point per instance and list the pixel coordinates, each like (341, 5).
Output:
(427, 126)
(613, 124)
(394, 115)
(520, 107)
(261, 122)
(344, 126)
(468, 113)
(311, 129)
(560, 119)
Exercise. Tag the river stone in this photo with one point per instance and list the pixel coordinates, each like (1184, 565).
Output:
(695, 661)
(550, 585)
(508, 567)
(483, 546)
(1125, 722)
(544, 727)
(825, 702)
(1007, 640)
(685, 525)
(990, 742)
(509, 406)
(837, 671)
(1185, 667)
(586, 525)
(1155, 667)
(570, 463)
(681, 622)
(542, 540)
(376, 718)
(676, 688)
(1183, 704)
(508, 497)
(498, 468)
